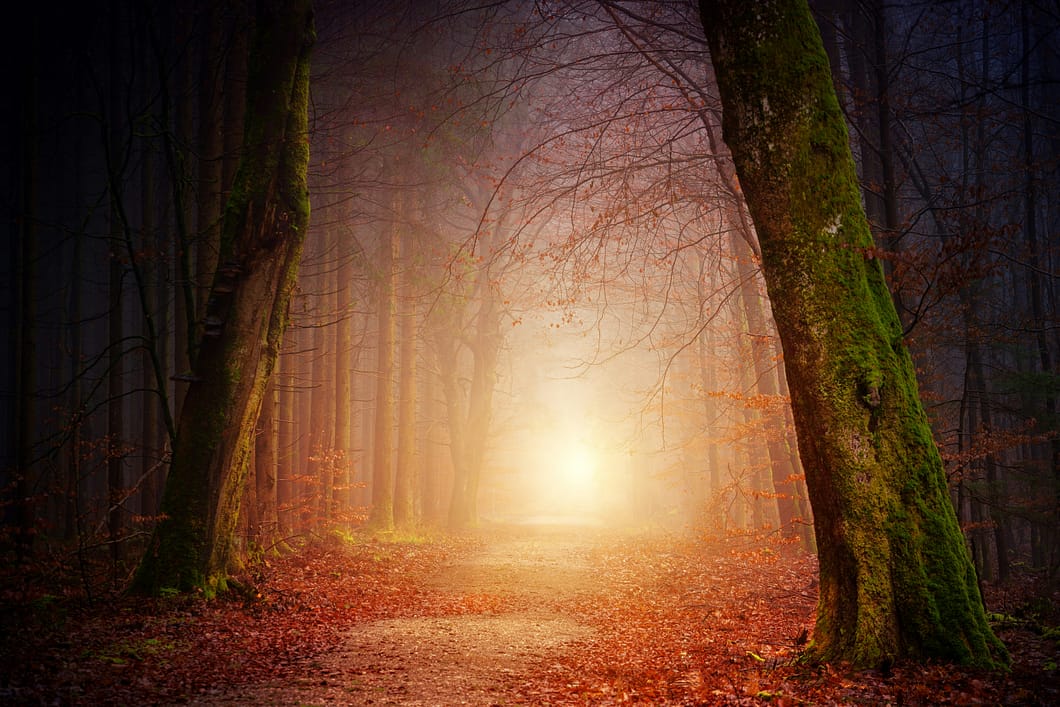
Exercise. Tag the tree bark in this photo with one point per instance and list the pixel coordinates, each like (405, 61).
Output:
(115, 317)
(381, 515)
(266, 529)
(286, 440)
(343, 389)
(895, 576)
(23, 258)
(430, 471)
(1037, 298)
(760, 332)
(319, 474)
(404, 472)
(210, 163)
(264, 228)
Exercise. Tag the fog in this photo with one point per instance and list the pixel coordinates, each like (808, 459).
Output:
(530, 285)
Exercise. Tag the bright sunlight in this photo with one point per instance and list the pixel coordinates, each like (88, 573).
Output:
(575, 475)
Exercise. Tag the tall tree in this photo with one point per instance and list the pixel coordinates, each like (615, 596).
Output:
(115, 315)
(896, 579)
(382, 512)
(264, 526)
(264, 228)
(343, 388)
(23, 256)
(404, 473)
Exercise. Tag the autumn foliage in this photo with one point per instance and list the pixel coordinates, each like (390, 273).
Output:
(659, 620)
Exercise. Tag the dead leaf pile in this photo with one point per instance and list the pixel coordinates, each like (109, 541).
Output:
(667, 620)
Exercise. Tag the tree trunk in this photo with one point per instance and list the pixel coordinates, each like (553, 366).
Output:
(264, 228)
(381, 515)
(115, 319)
(23, 254)
(210, 164)
(430, 471)
(447, 350)
(404, 473)
(343, 389)
(480, 400)
(760, 333)
(708, 381)
(895, 576)
(71, 522)
(1037, 299)
(469, 414)
(266, 529)
(318, 476)
(178, 167)
(804, 515)
(151, 397)
(286, 488)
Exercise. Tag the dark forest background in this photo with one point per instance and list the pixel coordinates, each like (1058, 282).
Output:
(489, 182)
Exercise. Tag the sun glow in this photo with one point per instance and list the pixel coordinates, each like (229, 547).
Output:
(577, 467)
(564, 474)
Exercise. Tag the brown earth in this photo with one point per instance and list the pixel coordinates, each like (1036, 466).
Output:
(543, 613)
(521, 578)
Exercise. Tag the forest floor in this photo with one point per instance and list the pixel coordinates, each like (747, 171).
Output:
(515, 614)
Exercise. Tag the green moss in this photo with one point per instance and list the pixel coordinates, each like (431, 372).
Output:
(191, 546)
(896, 579)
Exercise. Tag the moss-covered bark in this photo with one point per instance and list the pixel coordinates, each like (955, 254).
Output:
(896, 579)
(264, 228)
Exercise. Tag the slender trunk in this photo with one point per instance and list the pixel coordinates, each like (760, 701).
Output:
(382, 513)
(151, 397)
(404, 474)
(803, 512)
(707, 376)
(115, 320)
(761, 333)
(285, 439)
(367, 452)
(209, 158)
(976, 400)
(1030, 232)
(265, 529)
(75, 404)
(708, 382)
(318, 465)
(480, 408)
(485, 345)
(301, 462)
(343, 389)
(750, 490)
(234, 93)
(115, 413)
(24, 339)
(447, 349)
(184, 341)
(430, 472)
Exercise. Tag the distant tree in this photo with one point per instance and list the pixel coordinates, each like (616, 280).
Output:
(404, 471)
(381, 515)
(264, 227)
(896, 579)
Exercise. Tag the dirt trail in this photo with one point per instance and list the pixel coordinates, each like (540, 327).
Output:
(515, 586)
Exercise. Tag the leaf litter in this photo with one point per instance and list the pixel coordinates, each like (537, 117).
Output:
(505, 615)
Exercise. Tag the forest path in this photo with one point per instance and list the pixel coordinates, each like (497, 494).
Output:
(517, 590)
(511, 614)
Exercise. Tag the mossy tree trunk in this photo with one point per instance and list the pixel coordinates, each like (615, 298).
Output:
(264, 228)
(896, 578)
